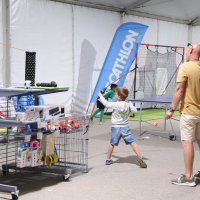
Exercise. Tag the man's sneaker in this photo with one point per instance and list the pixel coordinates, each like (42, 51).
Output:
(108, 162)
(141, 163)
(183, 180)
(197, 177)
(100, 123)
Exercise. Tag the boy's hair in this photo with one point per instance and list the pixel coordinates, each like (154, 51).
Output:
(113, 86)
(122, 92)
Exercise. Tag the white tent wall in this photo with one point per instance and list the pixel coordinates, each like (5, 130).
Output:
(71, 43)
(162, 32)
(65, 46)
(43, 27)
(195, 36)
(93, 34)
(172, 34)
(1, 39)
(151, 35)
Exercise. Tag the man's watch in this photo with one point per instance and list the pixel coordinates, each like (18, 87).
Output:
(171, 109)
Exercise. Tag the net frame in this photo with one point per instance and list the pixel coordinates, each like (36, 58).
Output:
(175, 52)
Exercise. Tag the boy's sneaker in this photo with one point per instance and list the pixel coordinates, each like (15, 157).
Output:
(108, 162)
(197, 177)
(141, 162)
(100, 123)
(183, 180)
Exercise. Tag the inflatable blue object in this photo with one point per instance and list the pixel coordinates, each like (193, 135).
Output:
(21, 103)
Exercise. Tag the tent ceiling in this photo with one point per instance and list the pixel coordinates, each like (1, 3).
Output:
(180, 11)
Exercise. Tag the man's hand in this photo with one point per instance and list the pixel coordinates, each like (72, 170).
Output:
(100, 94)
(168, 114)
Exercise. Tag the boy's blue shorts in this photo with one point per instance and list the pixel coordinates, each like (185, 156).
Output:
(118, 132)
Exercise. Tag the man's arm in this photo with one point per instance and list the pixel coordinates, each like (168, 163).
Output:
(177, 96)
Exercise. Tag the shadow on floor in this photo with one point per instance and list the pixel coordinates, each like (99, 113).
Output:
(28, 182)
(128, 159)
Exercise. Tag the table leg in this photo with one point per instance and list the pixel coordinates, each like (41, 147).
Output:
(140, 118)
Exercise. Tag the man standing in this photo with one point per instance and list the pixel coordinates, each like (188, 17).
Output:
(187, 93)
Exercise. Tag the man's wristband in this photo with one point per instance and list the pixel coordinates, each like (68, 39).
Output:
(171, 109)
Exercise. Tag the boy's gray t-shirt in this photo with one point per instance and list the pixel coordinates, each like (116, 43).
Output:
(121, 111)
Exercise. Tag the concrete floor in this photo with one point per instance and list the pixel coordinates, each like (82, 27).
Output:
(122, 180)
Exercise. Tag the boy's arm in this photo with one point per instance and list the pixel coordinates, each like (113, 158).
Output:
(105, 102)
(102, 99)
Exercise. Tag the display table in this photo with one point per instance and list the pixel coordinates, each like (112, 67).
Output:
(20, 91)
(165, 100)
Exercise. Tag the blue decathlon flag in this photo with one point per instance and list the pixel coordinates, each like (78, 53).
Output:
(120, 56)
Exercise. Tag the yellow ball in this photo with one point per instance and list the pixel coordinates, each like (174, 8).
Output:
(155, 123)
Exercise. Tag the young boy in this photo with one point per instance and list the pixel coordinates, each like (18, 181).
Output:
(120, 119)
(108, 94)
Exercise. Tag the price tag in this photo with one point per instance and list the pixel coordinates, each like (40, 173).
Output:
(39, 135)
(27, 138)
